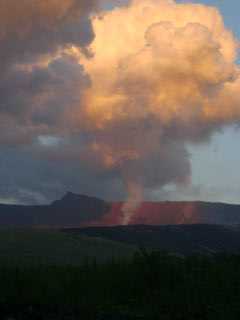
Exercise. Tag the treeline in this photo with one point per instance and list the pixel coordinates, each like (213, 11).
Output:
(149, 286)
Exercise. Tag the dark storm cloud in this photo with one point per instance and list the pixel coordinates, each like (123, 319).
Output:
(38, 81)
(37, 101)
(32, 176)
(32, 28)
(40, 87)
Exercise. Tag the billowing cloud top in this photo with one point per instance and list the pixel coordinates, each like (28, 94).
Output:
(122, 91)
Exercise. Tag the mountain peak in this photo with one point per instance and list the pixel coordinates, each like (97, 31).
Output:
(72, 199)
(70, 196)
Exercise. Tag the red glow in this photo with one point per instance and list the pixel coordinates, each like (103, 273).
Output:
(154, 213)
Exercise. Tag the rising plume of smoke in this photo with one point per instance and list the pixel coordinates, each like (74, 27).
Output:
(162, 75)
(125, 89)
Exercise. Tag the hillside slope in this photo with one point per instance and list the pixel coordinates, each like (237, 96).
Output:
(185, 239)
(48, 247)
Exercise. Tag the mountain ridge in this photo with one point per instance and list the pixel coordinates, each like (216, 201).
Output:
(76, 210)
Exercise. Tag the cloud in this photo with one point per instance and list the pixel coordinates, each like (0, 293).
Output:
(32, 28)
(34, 175)
(109, 100)
(39, 78)
(168, 78)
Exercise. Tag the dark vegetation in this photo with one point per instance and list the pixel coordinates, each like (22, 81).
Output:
(150, 285)
(185, 239)
(33, 247)
(120, 273)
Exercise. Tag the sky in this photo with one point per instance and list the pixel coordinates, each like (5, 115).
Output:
(216, 165)
(91, 102)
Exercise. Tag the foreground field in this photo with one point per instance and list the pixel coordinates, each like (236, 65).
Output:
(148, 286)
(54, 275)
(29, 247)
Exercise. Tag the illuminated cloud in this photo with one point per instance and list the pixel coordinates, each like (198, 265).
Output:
(122, 91)
(162, 75)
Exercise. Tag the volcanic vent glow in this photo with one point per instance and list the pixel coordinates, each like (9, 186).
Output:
(162, 75)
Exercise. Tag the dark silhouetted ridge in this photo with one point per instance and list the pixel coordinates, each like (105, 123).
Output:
(73, 200)
(74, 210)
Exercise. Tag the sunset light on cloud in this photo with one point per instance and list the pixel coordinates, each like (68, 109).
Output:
(116, 93)
(168, 78)
(119, 159)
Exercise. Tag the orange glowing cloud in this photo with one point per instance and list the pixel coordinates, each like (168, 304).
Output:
(125, 89)
(162, 74)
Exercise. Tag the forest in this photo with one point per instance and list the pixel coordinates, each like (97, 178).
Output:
(149, 285)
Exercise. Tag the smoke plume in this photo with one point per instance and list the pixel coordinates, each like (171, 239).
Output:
(120, 92)
(162, 75)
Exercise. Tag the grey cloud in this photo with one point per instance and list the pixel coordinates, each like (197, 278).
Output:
(36, 101)
(32, 28)
(33, 97)
(42, 179)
